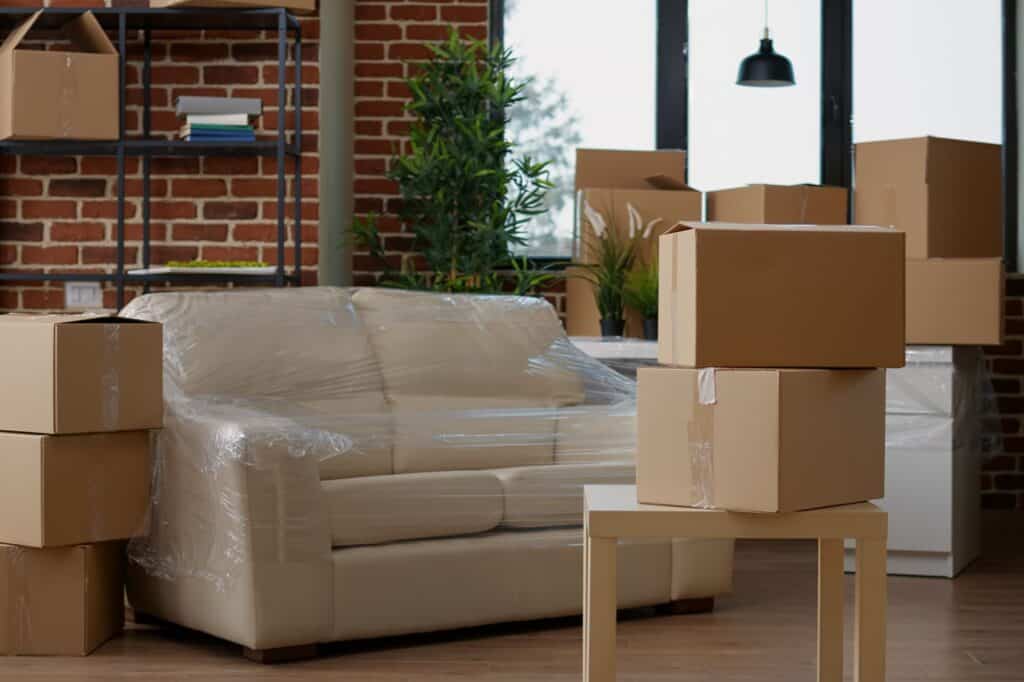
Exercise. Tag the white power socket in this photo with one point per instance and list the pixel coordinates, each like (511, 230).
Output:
(83, 295)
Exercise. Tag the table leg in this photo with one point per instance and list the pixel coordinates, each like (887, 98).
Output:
(830, 610)
(599, 609)
(869, 641)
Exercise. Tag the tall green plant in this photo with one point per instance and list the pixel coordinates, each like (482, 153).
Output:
(465, 196)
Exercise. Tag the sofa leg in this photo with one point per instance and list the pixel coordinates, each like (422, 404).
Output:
(685, 606)
(284, 654)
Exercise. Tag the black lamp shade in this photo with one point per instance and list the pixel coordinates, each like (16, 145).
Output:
(765, 69)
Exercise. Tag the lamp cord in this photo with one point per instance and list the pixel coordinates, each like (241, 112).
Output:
(766, 33)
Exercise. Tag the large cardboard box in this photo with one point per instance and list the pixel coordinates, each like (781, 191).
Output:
(781, 296)
(300, 6)
(945, 194)
(634, 191)
(760, 440)
(67, 490)
(55, 94)
(779, 204)
(80, 373)
(60, 602)
(955, 301)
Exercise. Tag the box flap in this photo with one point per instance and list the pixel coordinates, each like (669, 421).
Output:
(18, 34)
(86, 34)
(54, 319)
(684, 226)
(667, 182)
(627, 169)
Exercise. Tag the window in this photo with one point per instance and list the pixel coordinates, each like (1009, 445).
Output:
(593, 86)
(741, 135)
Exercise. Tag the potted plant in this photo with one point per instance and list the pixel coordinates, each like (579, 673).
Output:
(641, 294)
(465, 196)
(614, 256)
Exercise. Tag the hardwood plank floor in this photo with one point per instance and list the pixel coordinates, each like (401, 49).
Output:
(939, 631)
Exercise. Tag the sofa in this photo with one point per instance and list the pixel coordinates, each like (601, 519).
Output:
(339, 464)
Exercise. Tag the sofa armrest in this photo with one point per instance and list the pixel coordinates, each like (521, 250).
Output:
(238, 541)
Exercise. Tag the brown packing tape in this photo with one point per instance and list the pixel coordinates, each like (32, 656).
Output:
(68, 97)
(111, 405)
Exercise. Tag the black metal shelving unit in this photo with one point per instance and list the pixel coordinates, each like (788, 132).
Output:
(121, 21)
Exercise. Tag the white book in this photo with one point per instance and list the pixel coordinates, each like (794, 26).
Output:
(218, 119)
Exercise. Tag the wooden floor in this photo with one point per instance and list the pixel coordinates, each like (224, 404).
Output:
(970, 629)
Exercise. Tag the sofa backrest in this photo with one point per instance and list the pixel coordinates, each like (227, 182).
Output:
(470, 346)
(294, 344)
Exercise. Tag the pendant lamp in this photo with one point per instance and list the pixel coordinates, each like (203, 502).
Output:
(766, 68)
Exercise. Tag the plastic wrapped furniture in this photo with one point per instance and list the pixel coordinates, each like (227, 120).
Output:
(340, 464)
(935, 442)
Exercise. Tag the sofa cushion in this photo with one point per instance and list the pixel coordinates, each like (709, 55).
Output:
(366, 420)
(306, 343)
(468, 345)
(549, 496)
(446, 433)
(596, 433)
(378, 509)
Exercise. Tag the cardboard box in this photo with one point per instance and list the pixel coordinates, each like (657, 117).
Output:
(299, 6)
(52, 94)
(779, 205)
(639, 191)
(80, 373)
(60, 602)
(68, 490)
(781, 296)
(760, 440)
(955, 301)
(945, 194)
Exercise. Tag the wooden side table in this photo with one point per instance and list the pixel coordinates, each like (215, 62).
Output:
(612, 512)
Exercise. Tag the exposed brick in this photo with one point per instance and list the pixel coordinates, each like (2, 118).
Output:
(48, 165)
(21, 232)
(49, 255)
(194, 232)
(199, 187)
(46, 208)
(78, 188)
(172, 210)
(422, 12)
(162, 253)
(78, 232)
(230, 210)
(42, 299)
(459, 13)
(365, 31)
(231, 75)
(230, 253)
(107, 254)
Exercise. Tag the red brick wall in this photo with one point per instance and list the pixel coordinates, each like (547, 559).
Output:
(58, 213)
(390, 37)
(1002, 482)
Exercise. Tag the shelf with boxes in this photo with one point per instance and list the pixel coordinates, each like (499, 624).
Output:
(82, 396)
(91, 118)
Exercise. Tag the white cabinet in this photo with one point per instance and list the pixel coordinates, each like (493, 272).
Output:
(933, 453)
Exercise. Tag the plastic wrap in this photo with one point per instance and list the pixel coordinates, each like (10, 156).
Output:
(303, 422)
(939, 402)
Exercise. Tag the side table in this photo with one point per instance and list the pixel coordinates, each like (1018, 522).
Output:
(612, 512)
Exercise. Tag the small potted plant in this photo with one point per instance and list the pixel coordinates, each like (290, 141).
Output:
(614, 258)
(641, 294)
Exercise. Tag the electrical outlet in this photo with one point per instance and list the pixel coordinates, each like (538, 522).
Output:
(83, 295)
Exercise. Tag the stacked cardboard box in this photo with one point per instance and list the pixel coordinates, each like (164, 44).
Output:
(631, 190)
(771, 396)
(59, 94)
(945, 195)
(80, 395)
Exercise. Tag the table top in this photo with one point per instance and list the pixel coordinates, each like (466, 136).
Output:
(612, 511)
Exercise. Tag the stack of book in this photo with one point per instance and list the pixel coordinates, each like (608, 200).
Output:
(218, 119)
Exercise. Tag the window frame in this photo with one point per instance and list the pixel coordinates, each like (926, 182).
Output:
(672, 93)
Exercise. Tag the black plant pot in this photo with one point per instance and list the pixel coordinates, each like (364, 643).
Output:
(651, 328)
(612, 327)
